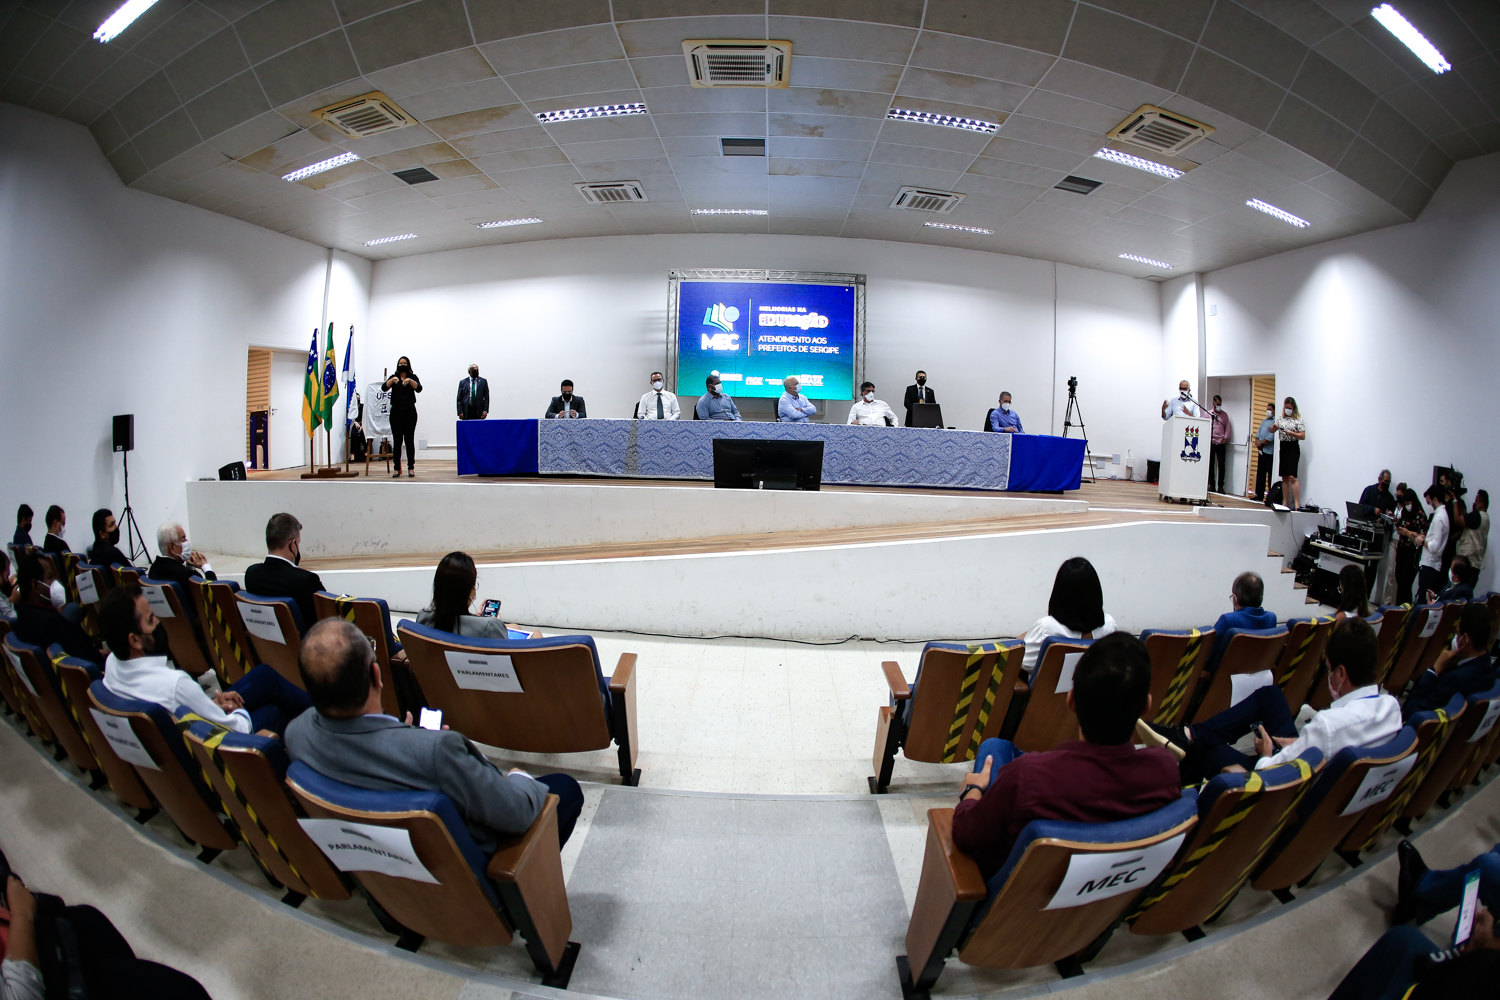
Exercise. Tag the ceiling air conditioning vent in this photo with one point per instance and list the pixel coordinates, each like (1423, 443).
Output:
(611, 192)
(727, 62)
(742, 147)
(1078, 185)
(416, 175)
(371, 114)
(1159, 130)
(923, 200)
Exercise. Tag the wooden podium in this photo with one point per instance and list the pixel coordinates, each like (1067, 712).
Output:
(1184, 458)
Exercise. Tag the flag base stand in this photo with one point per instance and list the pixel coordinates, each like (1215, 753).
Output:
(333, 473)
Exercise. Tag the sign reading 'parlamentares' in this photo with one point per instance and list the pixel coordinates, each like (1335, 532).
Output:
(483, 671)
(364, 847)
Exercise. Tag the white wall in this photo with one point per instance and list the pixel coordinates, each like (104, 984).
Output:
(1387, 340)
(116, 301)
(595, 311)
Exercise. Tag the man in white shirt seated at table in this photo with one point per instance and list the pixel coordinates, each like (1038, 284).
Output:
(868, 411)
(1004, 419)
(658, 404)
(793, 407)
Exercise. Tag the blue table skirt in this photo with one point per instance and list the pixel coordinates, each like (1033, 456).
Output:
(497, 447)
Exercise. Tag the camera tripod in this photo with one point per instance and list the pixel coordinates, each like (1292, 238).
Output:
(133, 536)
(1075, 410)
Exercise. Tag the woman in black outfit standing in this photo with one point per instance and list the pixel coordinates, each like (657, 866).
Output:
(404, 386)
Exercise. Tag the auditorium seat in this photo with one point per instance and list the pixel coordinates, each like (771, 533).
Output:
(372, 616)
(1447, 628)
(1046, 720)
(20, 686)
(168, 770)
(1413, 645)
(1006, 924)
(958, 699)
(473, 902)
(1492, 601)
(1301, 662)
(564, 702)
(1177, 658)
(224, 634)
(12, 699)
(248, 772)
(1466, 744)
(125, 574)
(1250, 651)
(1394, 621)
(41, 681)
(102, 585)
(988, 414)
(76, 677)
(1319, 823)
(182, 633)
(279, 639)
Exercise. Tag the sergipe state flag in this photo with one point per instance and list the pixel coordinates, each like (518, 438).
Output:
(312, 411)
(351, 411)
(330, 385)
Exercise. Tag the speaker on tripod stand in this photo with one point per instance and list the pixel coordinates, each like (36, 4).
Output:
(124, 443)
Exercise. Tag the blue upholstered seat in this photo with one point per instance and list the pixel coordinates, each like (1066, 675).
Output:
(517, 645)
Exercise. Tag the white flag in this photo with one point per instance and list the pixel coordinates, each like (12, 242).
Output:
(349, 387)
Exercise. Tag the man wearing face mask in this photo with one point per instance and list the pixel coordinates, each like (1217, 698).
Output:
(869, 411)
(658, 404)
(279, 575)
(473, 396)
(262, 699)
(793, 407)
(1463, 668)
(1004, 419)
(565, 405)
(1379, 495)
(918, 393)
(105, 550)
(22, 536)
(1433, 541)
(716, 404)
(178, 562)
(1265, 440)
(1182, 405)
(1218, 448)
(42, 616)
(57, 526)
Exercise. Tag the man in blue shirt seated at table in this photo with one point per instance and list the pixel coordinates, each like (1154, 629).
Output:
(1246, 594)
(715, 405)
(794, 408)
(1004, 419)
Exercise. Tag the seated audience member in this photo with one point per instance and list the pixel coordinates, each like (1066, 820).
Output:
(1098, 779)
(22, 537)
(1004, 419)
(110, 970)
(1354, 600)
(869, 411)
(1423, 893)
(453, 594)
(1245, 597)
(262, 699)
(793, 407)
(7, 588)
(279, 575)
(1074, 611)
(1361, 715)
(1465, 668)
(177, 561)
(1405, 965)
(714, 404)
(1461, 579)
(42, 615)
(104, 551)
(57, 526)
(349, 739)
(565, 404)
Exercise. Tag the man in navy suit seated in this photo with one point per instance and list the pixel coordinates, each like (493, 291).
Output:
(279, 575)
(1465, 668)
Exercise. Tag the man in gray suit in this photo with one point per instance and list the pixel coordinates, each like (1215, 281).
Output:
(349, 739)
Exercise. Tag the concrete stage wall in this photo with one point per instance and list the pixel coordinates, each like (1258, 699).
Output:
(365, 518)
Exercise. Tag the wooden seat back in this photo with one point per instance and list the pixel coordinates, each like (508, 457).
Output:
(46, 691)
(76, 676)
(1466, 745)
(229, 647)
(1394, 621)
(1433, 729)
(274, 627)
(20, 686)
(88, 586)
(125, 574)
(1047, 720)
(959, 699)
(1177, 658)
(8, 681)
(373, 618)
(1447, 628)
(1250, 651)
(1302, 658)
(1413, 645)
(170, 605)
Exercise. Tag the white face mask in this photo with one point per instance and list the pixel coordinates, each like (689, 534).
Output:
(657, 385)
(1184, 393)
(57, 594)
(1270, 414)
(62, 531)
(869, 397)
(187, 549)
(1004, 407)
(1287, 410)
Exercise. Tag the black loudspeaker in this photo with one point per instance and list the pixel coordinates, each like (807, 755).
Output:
(125, 432)
(232, 471)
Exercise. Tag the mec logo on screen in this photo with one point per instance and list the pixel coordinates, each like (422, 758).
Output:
(723, 317)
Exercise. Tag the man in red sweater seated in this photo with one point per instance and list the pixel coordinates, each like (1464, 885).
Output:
(1098, 779)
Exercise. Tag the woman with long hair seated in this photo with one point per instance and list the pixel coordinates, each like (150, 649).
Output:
(1354, 601)
(1075, 610)
(453, 592)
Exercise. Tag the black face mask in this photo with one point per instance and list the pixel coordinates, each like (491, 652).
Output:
(403, 370)
(921, 380)
(114, 537)
(567, 396)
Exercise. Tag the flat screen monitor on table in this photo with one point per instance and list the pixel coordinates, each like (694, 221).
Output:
(748, 464)
(927, 415)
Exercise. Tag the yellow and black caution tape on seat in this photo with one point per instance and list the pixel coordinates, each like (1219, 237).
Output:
(1313, 628)
(211, 601)
(1171, 702)
(972, 666)
(344, 606)
(1414, 779)
(1304, 772)
(990, 694)
(1395, 650)
(77, 721)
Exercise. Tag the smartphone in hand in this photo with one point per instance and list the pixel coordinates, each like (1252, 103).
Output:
(491, 609)
(1467, 910)
(432, 718)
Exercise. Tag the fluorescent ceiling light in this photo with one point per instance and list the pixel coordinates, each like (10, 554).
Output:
(128, 12)
(507, 222)
(1147, 260)
(730, 211)
(318, 168)
(1150, 166)
(962, 229)
(598, 111)
(1272, 210)
(1409, 36)
(390, 239)
(947, 121)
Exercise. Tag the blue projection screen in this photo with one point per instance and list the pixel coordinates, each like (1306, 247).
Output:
(756, 333)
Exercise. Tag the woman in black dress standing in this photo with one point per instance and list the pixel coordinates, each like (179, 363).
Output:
(1411, 523)
(404, 386)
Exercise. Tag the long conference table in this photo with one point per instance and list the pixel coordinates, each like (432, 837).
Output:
(852, 455)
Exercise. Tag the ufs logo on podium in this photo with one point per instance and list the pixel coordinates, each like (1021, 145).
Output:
(1190, 451)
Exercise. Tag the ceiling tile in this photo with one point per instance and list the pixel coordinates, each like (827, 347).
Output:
(80, 69)
(922, 156)
(415, 156)
(1221, 84)
(447, 69)
(806, 100)
(1006, 148)
(466, 97)
(127, 163)
(1181, 17)
(1355, 55)
(1411, 197)
(1366, 165)
(283, 24)
(815, 36)
(690, 145)
(803, 167)
(189, 26)
(720, 166)
(123, 75)
(964, 90)
(564, 81)
(506, 140)
(669, 100)
(663, 36)
(517, 159)
(1432, 166)
(299, 145)
(1120, 45)
(592, 129)
(108, 132)
(1310, 130)
(1041, 25)
(710, 124)
(654, 72)
(843, 74)
(19, 34)
(207, 64)
(413, 31)
(630, 10)
(482, 120)
(1390, 132)
(254, 134)
(1458, 145)
(1072, 111)
(1282, 157)
(1051, 134)
(1010, 170)
(146, 104)
(1090, 83)
(935, 136)
(833, 149)
(893, 176)
(978, 57)
(613, 149)
(56, 44)
(312, 66)
(1458, 99)
(511, 18)
(386, 142)
(568, 47)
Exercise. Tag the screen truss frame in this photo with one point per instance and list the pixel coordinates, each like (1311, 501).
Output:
(770, 276)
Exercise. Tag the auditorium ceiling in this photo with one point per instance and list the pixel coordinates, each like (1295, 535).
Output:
(1315, 108)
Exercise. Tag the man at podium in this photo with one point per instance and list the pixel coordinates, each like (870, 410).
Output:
(1184, 473)
(1183, 405)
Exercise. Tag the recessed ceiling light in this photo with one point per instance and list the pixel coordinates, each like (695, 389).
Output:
(507, 222)
(598, 111)
(962, 229)
(1147, 260)
(125, 16)
(390, 239)
(1139, 163)
(1272, 210)
(318, 168)
(947, 121)
(730, 211)
(1409, 36)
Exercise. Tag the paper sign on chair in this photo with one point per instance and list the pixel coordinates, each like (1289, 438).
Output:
(260, 621)
(365, 847)
(158, 602)
(122, 740)
(483, 671)
(1092, 877)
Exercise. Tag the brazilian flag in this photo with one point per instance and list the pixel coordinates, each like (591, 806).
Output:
(329, 388)
(312, 407)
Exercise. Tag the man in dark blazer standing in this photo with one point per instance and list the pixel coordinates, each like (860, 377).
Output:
(473, 396)
(566, 404)
(918, 393)
(279, 575)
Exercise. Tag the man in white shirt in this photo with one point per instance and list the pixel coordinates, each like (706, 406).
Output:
(658, 404)
(261, 700)
(868, 411)
(1361, 715)
(1430, 566)
(1183, 405)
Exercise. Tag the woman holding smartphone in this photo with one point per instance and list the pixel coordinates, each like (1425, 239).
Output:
(1293, 433)
(453, 594)
(403, 387)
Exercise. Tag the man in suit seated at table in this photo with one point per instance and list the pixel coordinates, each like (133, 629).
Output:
(1464, 669)
(565, 404)
(793, 407)
(348, 738)
(279, 575)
